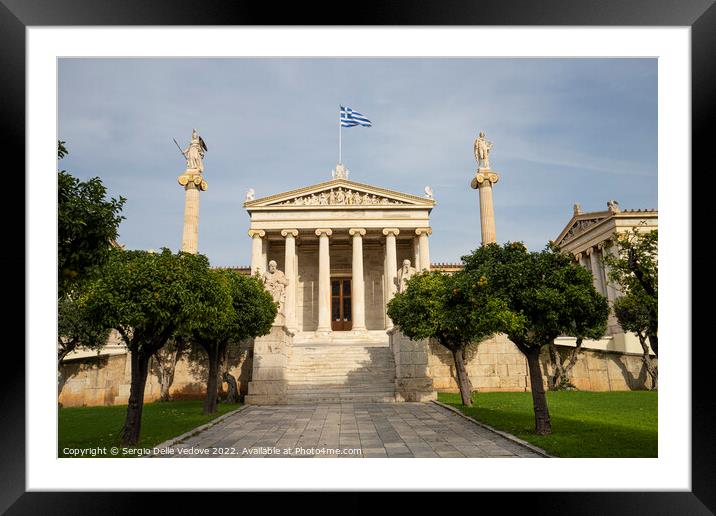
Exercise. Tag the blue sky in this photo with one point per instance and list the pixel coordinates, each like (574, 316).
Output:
(564, 131)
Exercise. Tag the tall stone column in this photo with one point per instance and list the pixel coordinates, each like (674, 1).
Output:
(324, 281)
(256, 249)
(193, 183)
(424, 249)
(613, 326)
(610, 291)
(291, 276)
(596, 272)
(483, 181)
(358, 293)
(416, 253)
(391, 266)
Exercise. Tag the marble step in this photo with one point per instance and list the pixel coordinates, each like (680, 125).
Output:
(340, 386)
(298, 400)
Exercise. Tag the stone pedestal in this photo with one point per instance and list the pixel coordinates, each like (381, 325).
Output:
(412, 375)
(268, 383)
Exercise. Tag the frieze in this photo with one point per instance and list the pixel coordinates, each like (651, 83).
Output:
(579, 227)
(339, 197)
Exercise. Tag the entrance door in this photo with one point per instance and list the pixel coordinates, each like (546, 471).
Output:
(341, 304)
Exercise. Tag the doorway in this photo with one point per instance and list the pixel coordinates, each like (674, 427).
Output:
(341, 304)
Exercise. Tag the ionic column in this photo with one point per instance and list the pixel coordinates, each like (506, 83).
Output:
(608, 285)
(193, 183)
(416, 253)
(358, 294)
(324, 281)
(596, 274)
(256, 249)
(291, 276)
(423, 247)
(391, 266)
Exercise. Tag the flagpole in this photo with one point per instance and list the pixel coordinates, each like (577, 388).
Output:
(340, 150)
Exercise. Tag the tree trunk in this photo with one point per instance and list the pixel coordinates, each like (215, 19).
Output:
(560, 375)
(233, 395)
(212, 380)
(165, 384)
(649, 363)
(133, 421)
(543, 425)
(555, 380)
(654, 343)
(463, 380)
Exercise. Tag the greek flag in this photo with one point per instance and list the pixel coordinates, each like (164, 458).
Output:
(350, 118)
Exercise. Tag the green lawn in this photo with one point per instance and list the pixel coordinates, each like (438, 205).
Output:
(99, 427)
(584, 424)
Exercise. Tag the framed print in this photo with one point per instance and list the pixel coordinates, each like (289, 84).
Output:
(584, 105)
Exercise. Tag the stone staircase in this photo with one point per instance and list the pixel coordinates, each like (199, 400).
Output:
(345, 372)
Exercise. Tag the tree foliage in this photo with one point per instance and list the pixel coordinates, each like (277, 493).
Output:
(634, 316)
(634, 268)
(238, 308)
(76, 328)
(453, 309)
(87, 223)
(148, 297)
(548, 295)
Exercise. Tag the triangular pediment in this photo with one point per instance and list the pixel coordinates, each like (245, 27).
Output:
(580, 224)
(339, 193)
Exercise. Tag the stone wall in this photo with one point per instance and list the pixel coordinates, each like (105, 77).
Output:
(497, 365)
(105, 379)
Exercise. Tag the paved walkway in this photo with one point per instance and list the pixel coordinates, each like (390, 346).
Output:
(355, 430)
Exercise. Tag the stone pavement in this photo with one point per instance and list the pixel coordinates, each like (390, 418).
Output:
(355, 429)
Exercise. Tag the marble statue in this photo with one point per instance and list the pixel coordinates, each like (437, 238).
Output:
(428, 192)
(275, 282)
(613, 206)
(194, 153)
(482, 151)
(404, 274)
(250, 194)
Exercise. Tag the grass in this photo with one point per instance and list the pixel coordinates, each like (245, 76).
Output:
(99, 427)
(584, 424)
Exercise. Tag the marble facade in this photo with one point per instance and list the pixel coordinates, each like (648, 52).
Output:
(339, 229)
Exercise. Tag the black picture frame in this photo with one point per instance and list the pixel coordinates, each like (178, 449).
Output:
(16, 15)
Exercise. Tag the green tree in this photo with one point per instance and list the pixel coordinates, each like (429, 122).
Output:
(147, 297)
(635, 270)
(589, 323)
(549, 296)
(164, 362)
(453, 309)
(634, 316)
(238, 308)
(75, 328)
(87, 223)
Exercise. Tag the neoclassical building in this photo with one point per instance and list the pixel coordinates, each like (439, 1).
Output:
(340, 244)
(590, 237)
(330, 254)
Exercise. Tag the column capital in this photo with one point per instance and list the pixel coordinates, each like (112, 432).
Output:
(578, 256)
(603, 244)
(427, 231)
(326, 231)
(356, 231)
(391, 231)
(257, 233)
(287, 232)
(589, 251)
